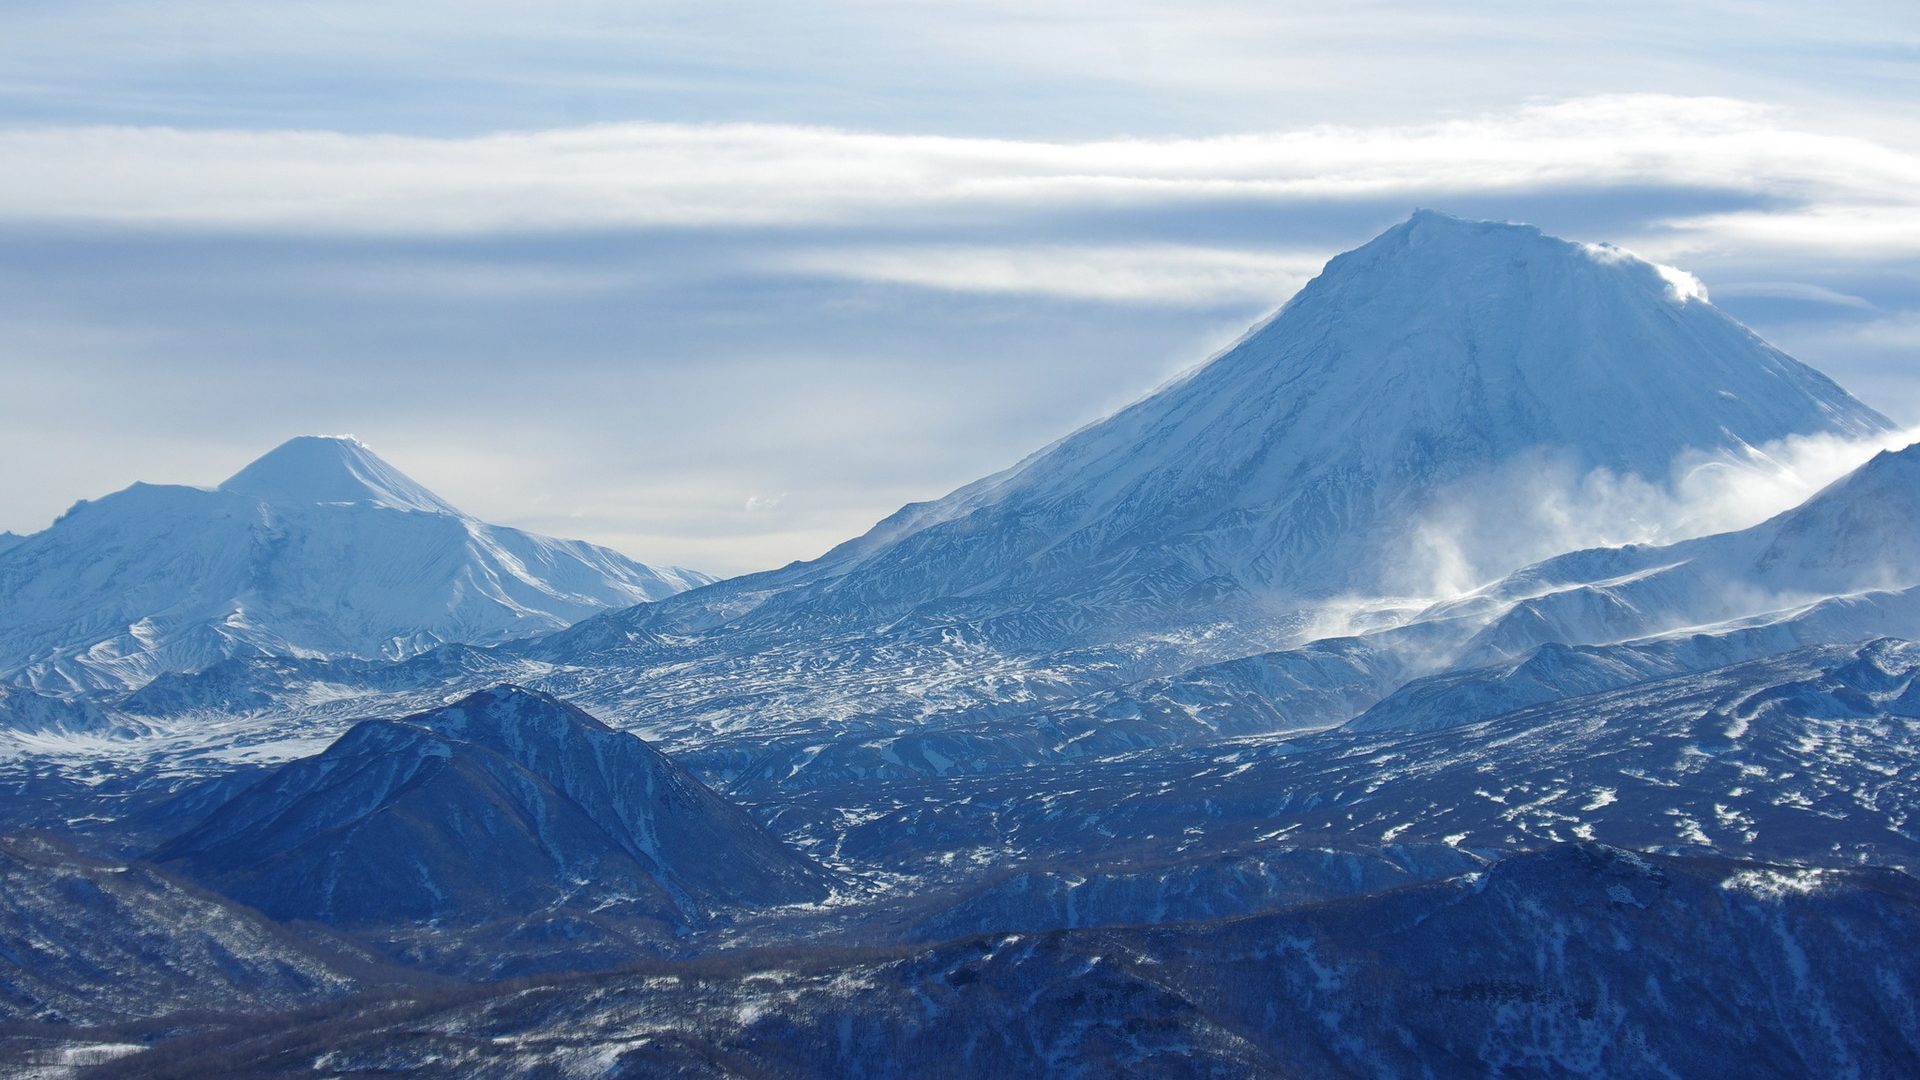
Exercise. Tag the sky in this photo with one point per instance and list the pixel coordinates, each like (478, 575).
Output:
(722, 284)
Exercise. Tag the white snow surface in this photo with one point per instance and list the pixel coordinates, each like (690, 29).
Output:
(1287, 470)
(332, 469)
(1843, 565)
(1121, 590)
(319, 548)
(1193, 528)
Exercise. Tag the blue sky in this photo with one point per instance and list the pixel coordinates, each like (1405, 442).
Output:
(721, 284)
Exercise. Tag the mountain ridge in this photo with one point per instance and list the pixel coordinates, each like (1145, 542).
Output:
(1404, 352)
(505, 802)
(318, 548)
(1855, 536)
(1219, 516)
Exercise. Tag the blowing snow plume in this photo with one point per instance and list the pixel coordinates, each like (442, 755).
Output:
(1541, 505)
(1480, 378)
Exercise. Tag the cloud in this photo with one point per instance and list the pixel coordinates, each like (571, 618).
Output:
(469, 280)
(1169, 274)
(1794, 290)
(710, 312)
(1537, 508)
(1885, 228)
(1051, 68)
(1834, 189)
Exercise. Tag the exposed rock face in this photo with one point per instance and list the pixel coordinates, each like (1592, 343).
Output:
(503, 804)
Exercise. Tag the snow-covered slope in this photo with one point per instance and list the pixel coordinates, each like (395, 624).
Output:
(503, 804)
(1288, 468)
(1088, 692)
(921, 705)
(318, 548)
(1802, 757)
(1468, 694)
(939, 700)
(1215, 518)
(24, 712)
(1860, 535)
(317, 469)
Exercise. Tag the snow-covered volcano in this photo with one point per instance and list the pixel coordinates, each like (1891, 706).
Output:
(319, 548)
(1288, 468)
(337, 469)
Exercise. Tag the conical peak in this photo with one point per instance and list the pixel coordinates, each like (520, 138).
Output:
(1431, 242)
(1506, 314)
(1439, 223)
(504, 715)
(1440, 350)
(1888, 483)
(312, 469)
(1427, 229)
(1438, 252)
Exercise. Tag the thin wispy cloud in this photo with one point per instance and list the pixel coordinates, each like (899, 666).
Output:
(1887, 227)
(1152, 274)
(1793, 290)
(1056, 68)
(1837, 189)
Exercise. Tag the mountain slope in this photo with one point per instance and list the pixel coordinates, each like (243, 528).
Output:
(1802, 757)
(1180, 532)
(1577, 961)
(92, 942)
(1287, 468)
(503, 804)
(25, 712)
(318, 548)
(1466, 695)
(317, 469)
(1861, 534)
(1227, 514)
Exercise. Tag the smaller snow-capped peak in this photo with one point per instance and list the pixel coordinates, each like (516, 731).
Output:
(319, 548)
(1889, 482)
(310, 469)
(1857, 532)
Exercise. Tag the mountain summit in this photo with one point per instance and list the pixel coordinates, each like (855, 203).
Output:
(1444, 341)
(1293, 466)
(318, 549)
(503, 803)
(312, 469)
